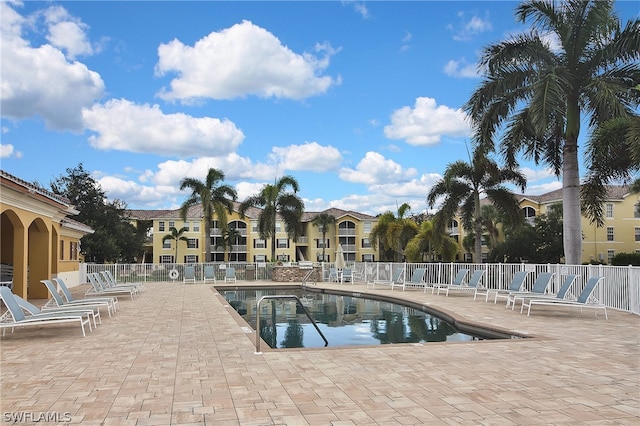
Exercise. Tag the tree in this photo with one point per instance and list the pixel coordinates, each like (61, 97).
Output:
(394, 232)
(462, 186)
(114, 239)
(215, 197)
(428, 242)
(323, 221)
(176, 235)
(276, 200)
(539, 91)
(229, 238)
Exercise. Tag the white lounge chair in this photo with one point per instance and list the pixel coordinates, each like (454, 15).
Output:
(189, 274)
(112, 301)
(32, 310)
(230, 275)
(106, 284)
(333, 275)
(97, 288)
(563, 293)
(209, 274)
(539, 288)
(396, 278)
(109, 276)
(57, 302)
(457, 280)
(15, 317)
(585, 300)
(417, 280)
(474, 283)
(517, 283)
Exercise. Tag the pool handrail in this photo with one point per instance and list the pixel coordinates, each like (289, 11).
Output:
(284, 296)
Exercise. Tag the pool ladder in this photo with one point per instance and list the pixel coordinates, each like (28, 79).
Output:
(284, 296)
(307, 277)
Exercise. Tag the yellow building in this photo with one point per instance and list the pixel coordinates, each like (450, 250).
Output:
(620, 233)
(351, 230)
(38, 238)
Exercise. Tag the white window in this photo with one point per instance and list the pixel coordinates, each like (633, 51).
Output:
(609, 210)
(366, 243)
(260, 258)
(192, 243)
(186, 226)
(637, 233)
(161, 226)
(196, 226)
(172, 224)
(254, 226)
(367, 258)
(166, 244)
(610, 254)
(366, 227)
(191, 258)
(259, 244)
(283, 243)
(278, 226)
(166, 258)
(610, 233)
(322, 243)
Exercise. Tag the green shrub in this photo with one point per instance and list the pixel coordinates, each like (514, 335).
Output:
(624, 259)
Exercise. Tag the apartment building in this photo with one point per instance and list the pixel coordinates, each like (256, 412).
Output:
(620, 233)
(243, 243)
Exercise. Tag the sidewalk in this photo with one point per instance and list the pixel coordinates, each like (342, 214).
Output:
(176, 356)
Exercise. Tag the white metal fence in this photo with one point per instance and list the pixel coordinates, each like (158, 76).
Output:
(619, 290)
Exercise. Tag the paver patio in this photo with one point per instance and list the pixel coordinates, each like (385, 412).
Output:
(177, 356)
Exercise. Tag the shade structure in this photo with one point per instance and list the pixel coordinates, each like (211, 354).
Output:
(340, 263)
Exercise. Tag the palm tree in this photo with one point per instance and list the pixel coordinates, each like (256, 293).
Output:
(428, 241)
(394, 232)
(276, 200)
(215, 198)
(230, 237)
(177, 236)
(323, 221)
(462, 186)
(539, 92)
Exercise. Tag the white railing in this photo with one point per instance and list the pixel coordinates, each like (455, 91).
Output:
(619, 290)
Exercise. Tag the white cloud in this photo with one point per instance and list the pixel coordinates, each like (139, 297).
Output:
(542, 188)
(310, 156)
(469, 28)
(67, 33)
(375, 169)
(122, 125)
(534, 175)
(28, 74)
(461, 69)
(426, 123)
(239, 61)
(8, 151)
(135, 193)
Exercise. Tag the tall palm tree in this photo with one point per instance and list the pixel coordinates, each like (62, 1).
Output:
(215, 197)
(176, 235)
(539, 92)
(394, 232)
(462, 186)
(323, 221)
(276, 200)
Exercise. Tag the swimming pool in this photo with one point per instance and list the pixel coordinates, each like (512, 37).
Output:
(345, 320)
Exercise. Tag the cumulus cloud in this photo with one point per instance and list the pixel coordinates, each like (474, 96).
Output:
(125, 126)
(426, 123)
(29, 73)
(67, 33)
(137, 194)
(310, 156)
(375, 169)
(239, 61)
(8, 151)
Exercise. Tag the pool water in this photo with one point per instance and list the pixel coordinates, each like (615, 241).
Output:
(344, 320)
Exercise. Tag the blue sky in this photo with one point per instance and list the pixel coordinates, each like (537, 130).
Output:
(360, 101)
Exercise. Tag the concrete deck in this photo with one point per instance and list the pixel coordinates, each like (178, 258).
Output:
(175, 356)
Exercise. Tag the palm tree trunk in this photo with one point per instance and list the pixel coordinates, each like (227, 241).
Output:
(207, 239)
(477, 229)
(571, 217)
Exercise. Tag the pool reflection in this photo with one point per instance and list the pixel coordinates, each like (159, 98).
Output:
(344, 320)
